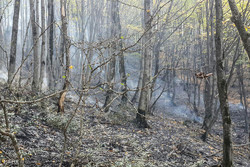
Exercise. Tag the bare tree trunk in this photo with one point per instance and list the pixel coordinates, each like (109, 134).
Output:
(201, 57)
(143, 101)
(111, 69)
(50, 51)
(35, 83)
(62, 51)
(2, 59)
(38, 29)
(167, 75)
(222, 89)
(238, 21)
(66, 46)
(23, 51)
(121, 57)
(12, 62)
(157, 64)
(188, 82)
(174, 86)
(42, 70)
(139, 83)
(195, 87)
(245, 106)
(242, 91)
(81, 38)
(92, 34)
(123, 76)
(209, 90)
(123, 79)
(207, 84)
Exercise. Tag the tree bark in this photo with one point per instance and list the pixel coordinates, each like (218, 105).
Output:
(42, 70)
(12, 62)
(209, 91)
(238, 21)
(66, 46)
(143, 101)
(114, 47)
(242, 91)
(35, 83)
(1, 44)
(222, 89)
(139, 83)
(50, 47)
(122, 70)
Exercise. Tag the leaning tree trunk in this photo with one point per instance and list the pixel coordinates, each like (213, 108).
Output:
(143, 101)
(238, 21)
(12, 63)
(67, 47)
(222, 89)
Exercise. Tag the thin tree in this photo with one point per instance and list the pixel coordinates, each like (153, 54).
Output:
(143, 100)
(12, 62)
(121, 59)
(111, 69)
(66, 48)
(50, 50)
(209, 86)
(35, 83)
(222, 89)
(43, 58)
(1, 43)
(237, 19)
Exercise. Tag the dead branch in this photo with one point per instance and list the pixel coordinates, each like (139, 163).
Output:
(15, 145)
(32, 101)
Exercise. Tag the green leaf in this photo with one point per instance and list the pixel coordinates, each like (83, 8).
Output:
(122, 37)
(101, 89)
(64, 76)
(122, 84)
(90, 67)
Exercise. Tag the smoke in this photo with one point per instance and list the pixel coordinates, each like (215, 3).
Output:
(3, 77)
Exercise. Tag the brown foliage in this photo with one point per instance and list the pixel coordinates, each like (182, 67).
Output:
(202, 75)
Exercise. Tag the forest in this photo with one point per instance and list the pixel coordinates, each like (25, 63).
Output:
(125, 83)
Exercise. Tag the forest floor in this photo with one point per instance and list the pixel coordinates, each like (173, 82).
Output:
(112, 139)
